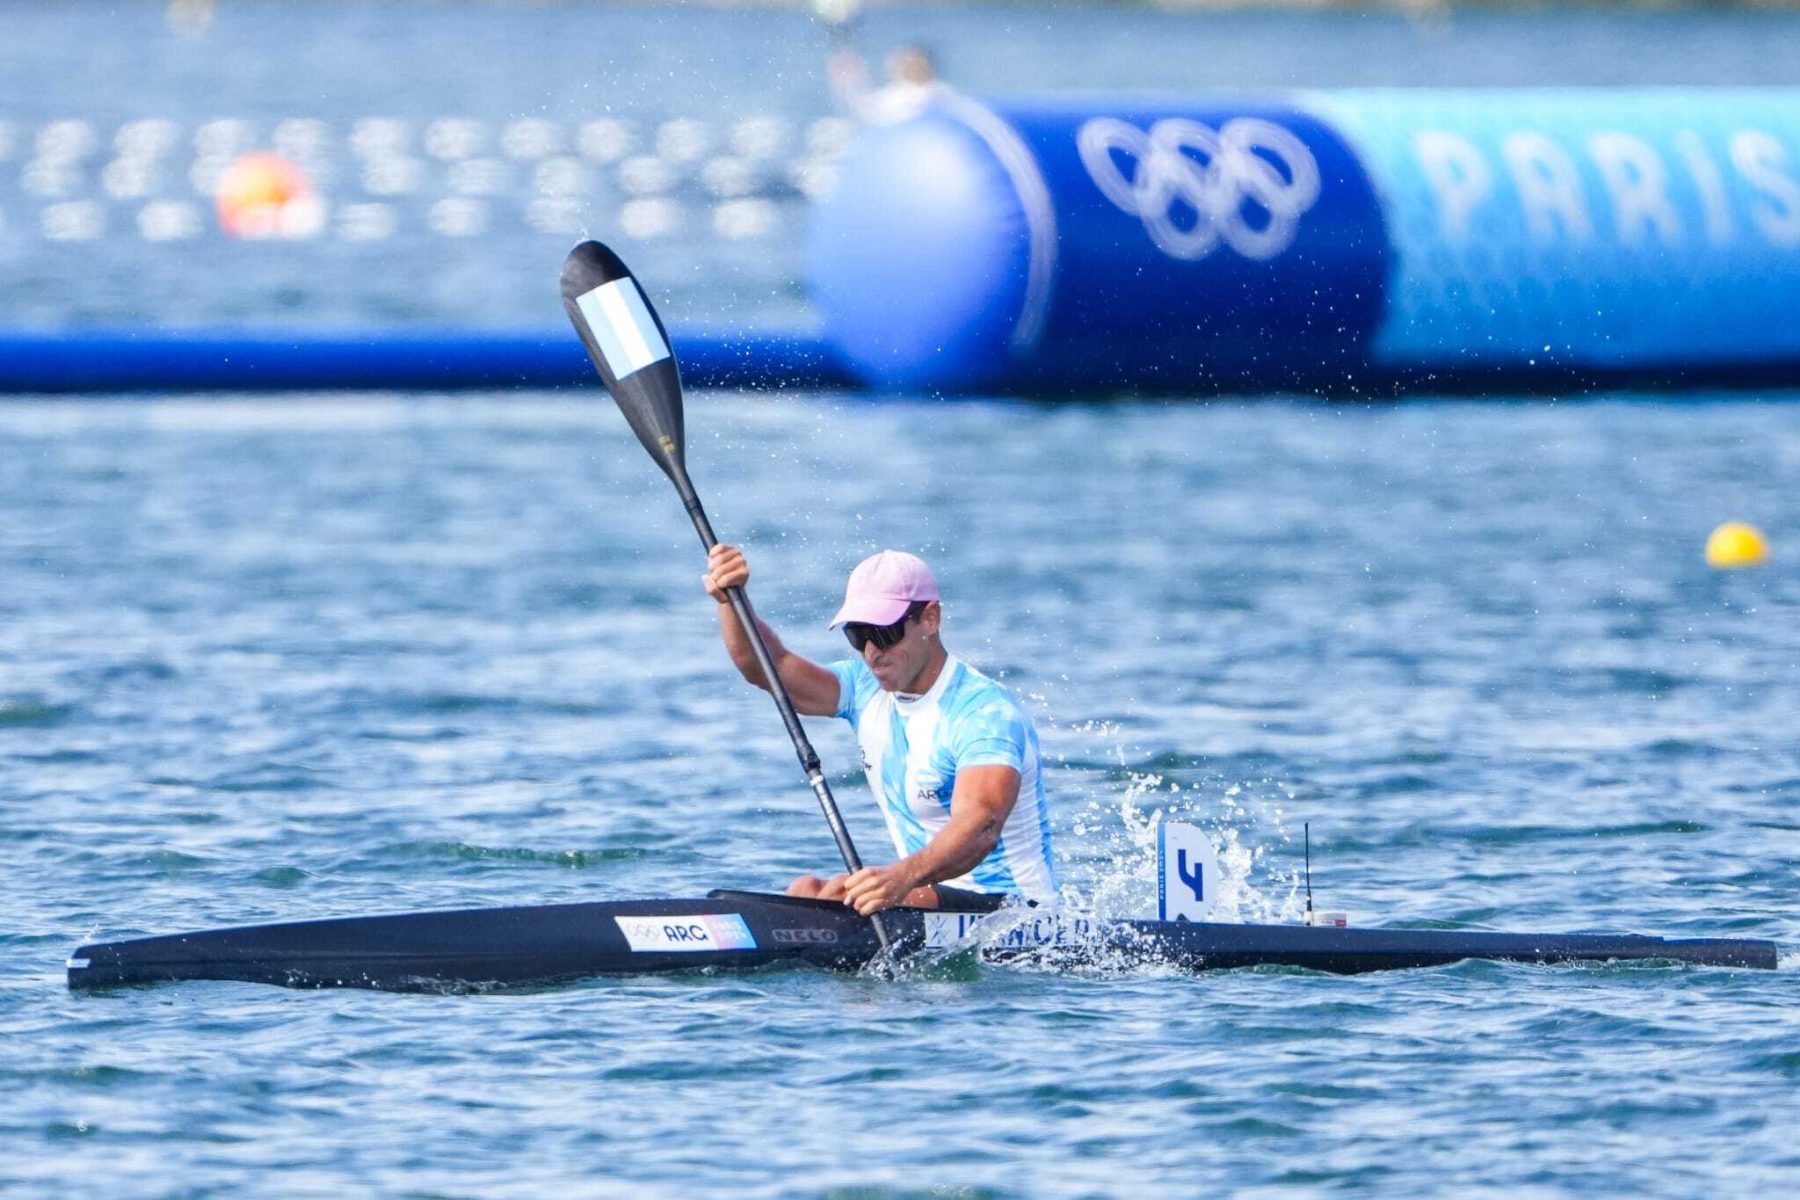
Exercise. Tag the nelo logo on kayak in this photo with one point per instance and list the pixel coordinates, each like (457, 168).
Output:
(687, 934)
(800, 937)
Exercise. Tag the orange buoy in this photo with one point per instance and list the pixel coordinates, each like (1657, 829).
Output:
(263, 195)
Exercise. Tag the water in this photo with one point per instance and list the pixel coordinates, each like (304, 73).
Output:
(333, 655)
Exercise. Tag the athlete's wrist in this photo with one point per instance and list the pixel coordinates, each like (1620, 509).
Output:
(913, 873)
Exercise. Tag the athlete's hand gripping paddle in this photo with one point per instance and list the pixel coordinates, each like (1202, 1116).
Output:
(630, 349)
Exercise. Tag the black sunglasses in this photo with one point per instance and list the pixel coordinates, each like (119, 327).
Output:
(883, 636)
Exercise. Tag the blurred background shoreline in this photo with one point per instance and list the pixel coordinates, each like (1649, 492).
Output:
(462, 147)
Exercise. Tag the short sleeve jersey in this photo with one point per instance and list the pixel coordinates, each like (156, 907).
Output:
(913, 748)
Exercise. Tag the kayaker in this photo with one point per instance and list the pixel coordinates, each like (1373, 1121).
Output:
(951, 755)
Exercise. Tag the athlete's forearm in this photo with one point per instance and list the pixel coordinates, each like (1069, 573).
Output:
(737, 645)
(957, 849)
(789, 665)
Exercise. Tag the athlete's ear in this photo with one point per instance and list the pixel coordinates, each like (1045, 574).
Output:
(932, 617)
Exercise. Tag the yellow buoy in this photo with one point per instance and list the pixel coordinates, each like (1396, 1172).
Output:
(1735, 544)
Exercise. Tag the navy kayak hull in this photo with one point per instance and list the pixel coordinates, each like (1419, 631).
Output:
(738, 931)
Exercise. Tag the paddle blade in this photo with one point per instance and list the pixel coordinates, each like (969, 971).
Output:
(629, 347)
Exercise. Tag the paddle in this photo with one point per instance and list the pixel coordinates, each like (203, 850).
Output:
(626, 340)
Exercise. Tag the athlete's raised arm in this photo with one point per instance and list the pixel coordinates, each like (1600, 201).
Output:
(813, 689)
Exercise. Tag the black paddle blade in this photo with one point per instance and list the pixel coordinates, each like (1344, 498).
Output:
(626, 340)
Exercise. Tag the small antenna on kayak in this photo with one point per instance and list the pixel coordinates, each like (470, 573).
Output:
(1330, 918)
(1306, 833)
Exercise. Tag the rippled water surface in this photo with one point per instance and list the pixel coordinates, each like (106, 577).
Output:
(283, 659)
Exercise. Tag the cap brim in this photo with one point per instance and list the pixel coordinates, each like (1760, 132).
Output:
(872, 610)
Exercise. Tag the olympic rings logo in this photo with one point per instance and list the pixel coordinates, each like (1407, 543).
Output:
(1185, 164)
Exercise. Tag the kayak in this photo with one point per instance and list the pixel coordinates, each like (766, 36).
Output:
(733, 931)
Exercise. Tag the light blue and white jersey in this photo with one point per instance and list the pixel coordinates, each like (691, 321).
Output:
(912, 750)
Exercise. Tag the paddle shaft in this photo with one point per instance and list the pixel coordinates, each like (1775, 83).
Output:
(630, 349)
(809, 758)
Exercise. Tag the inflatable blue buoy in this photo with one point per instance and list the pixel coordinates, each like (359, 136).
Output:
(1318, 239)
(1044, 247)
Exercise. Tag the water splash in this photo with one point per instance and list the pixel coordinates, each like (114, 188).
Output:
(1112, 873)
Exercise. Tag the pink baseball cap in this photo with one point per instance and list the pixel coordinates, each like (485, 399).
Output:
(882, 586)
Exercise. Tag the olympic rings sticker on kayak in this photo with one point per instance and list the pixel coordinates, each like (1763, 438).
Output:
(696, 934)
(1184, 164)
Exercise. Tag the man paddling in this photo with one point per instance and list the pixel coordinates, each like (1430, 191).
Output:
(951, 756)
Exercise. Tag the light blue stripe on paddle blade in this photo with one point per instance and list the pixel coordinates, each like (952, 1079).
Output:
(622, 327)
